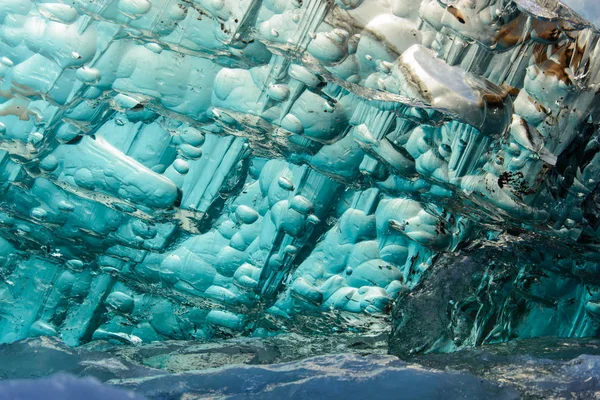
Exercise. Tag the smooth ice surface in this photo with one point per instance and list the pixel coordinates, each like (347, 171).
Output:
(62, 387)
(376, 377)
(326, 376)
(293, 366)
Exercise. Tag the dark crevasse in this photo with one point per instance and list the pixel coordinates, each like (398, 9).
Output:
(514, 288)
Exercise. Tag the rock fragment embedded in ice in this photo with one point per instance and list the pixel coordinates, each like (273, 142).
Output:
(177, 170)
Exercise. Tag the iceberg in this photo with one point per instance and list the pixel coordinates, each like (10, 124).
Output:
(177, 170)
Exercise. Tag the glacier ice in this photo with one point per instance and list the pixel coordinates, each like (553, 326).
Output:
(318, 378)
(281, 367)
(200, 169)
(63, 387)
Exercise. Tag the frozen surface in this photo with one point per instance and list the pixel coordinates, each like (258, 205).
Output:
(62, 387)
(333, 376)
(299, 367)
(376, 377)
(199, 170)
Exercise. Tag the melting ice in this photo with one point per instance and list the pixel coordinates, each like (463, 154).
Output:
(205, 169)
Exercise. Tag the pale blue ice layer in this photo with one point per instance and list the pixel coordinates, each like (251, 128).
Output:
(325, 377)
(298, 367)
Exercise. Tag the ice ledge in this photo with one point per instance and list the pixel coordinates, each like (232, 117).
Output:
(580, 12)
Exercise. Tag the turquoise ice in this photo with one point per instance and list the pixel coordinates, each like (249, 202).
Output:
(190, 170)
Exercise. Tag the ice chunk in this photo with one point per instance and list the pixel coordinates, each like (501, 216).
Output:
(175, 170)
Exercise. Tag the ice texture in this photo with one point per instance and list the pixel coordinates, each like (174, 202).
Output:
(300, 367)
(516, 288)
(213, 168)
(62, 387)
(318, 376)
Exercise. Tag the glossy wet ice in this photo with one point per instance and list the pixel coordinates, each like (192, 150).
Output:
(196, 170)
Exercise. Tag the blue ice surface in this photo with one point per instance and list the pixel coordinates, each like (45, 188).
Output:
(63, 387)
(282, 367)
(589, 9)
(325, 377)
